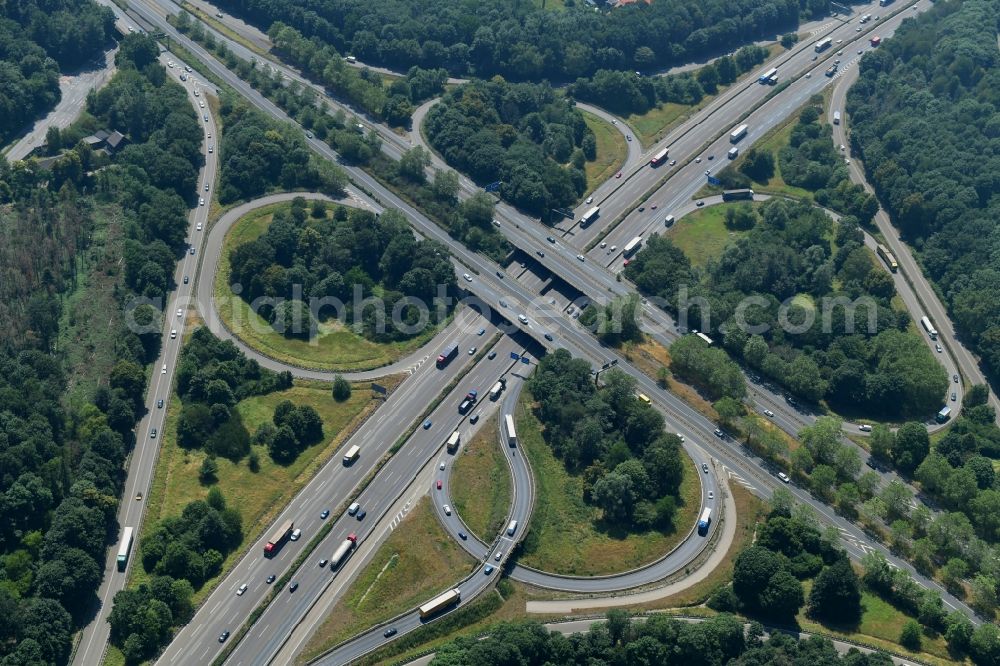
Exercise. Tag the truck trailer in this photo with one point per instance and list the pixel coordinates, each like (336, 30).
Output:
(278, 539)
(445, 357)
(345, 547)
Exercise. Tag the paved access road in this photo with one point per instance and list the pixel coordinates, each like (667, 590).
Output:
(142, 460)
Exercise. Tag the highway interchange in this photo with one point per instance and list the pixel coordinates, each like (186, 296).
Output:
(704, 134)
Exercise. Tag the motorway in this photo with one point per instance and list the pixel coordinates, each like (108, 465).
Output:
(142, 460)
(521, 300)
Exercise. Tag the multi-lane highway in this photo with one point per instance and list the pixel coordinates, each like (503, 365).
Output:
(142, 460)
(493, 285)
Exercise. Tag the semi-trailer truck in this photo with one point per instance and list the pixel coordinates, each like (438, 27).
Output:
(659, 158)
(738, 133)
(440, 602)
(498, 389)
(704, 521)
(278, 539)
(444, 357)
(733, 153)
(345, 547)
(831, 70)
(735, 195)
(468, 401)
(453, 441)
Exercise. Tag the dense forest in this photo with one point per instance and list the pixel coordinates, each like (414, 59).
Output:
(792, 259)
(520, 134)
(337, 264)
(39, 39)
(625, 93)
(925, 116)
(632, 468)
(658, 640)
(260, 154)
(73, 373)
(522, 41)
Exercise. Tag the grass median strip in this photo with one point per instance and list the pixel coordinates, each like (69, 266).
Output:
(481, 486)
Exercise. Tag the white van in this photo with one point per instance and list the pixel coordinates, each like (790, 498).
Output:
(353, 509)
(668, 221)
(352, 454)
(521, 318)
(512, 528)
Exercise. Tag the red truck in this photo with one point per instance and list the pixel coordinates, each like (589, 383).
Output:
(876, 40)
(468, 402)
(277, 539)
(446, 356)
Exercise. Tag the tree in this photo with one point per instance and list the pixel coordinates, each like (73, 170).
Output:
(729, 410)
(836, 594)
(615, 495)
(783, 596)
(753, 569)
(413, 164)
(985, 644)
(911, 446)
(909, 637)
(209, 471)
(882, 441)
(341, 389)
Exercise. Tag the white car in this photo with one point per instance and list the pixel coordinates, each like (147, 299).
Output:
(468, 278)
(201, 201)
(206, 187)
(196, 94)
(498, 556)
(580, 257)
(768, 413)
(180, 312)
(784, 477)
(711, 495)
(243, 588)
(809, 75)
(604, 244)
(170, 64)
(590, 199)
(173, 334)
(164, 370)
(296, 534)
(201, 104)
(441, 466)
(209, 135)
(447, 510)
(613, 248)
(198, 228)
(864, 427)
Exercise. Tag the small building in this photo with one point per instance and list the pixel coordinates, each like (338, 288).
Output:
(116, 141)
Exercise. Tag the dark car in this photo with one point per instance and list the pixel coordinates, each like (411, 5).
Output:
(391, 631)
(271, 578)
(186, 279)
(550, 239)
(294, 586)
(159, 403)
(326, 512)
(361, 514)
(463, 536)
(492, 355)
(223, 636)
(548, 336)
(427, 424)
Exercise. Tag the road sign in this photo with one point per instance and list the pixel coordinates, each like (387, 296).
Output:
(526, 360)
(377, 388)
(515, 355)
(712, 180)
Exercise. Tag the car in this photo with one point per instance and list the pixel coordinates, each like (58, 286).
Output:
(673, 162)
(463, 536)
(590, 199)
(500, 274)
(180, 312)
(711, 495)
(523, 319)
(842, 148)
(223, 636)
(784, 477)
(205, 116)
(138, 497)
(438, 484)
(191, 251)
(860, 51)
(864, 427)
(309, 135)
(840, 41)
(323, 514)
(858, 29)
(474, 418)
(548, 336)
(954, 378)
(183, 77)
(492, 355)
(296, 533)
(159, 403)
(719, 433)
(173, 334)
(704, 468)
(209, 135)
(201, 104)
(938, 349)
(613, 248)
(243, 588)
(472, 351)
(708, 171)
(447, 510)
(837, 61)
(271, 579)
(170, 64)
(468, 278)
(427, 424)
(294, 586)
(697, 160)
(580, 257)
(498, 556)
(196, 94)
(711, 157)
(361, 514)
(503, 303)
(152, 433)
(954, 396)
(840, 53)
(186, 279)
(653, 207)
(540, 253)
(391, 631)
(699, 203)
(163, 371)
(550, 239)
(322, 564)
(875, 19)
(618, 175)
(809, 75)
(642, 208)
(496, 223)
(187, 68)
(353, 509)
(814, 57)
(768, 413)
(604, 244)
(198, 227)
(441, 466)
(206, 187)
(847, 161)
(488, 569)
(211, 149)
(628, 137)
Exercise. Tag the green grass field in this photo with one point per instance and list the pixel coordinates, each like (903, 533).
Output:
(335, 348)
(417, 561)
(481, 485)
(258, 496)
(571, 537)
(611, 151)
(702, 235)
